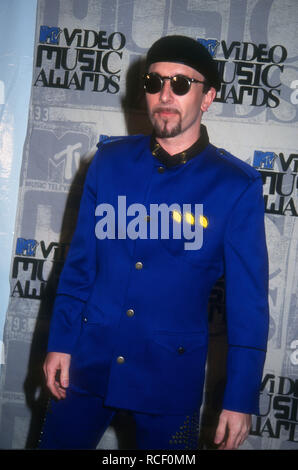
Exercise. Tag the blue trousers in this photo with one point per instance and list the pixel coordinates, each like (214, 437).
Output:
(80, 420)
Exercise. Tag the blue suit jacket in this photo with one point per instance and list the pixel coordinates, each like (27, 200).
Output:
(155, 318)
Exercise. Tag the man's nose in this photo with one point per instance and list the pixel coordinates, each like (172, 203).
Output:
(166, 93)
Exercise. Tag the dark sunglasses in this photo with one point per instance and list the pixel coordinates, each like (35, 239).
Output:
(180, 84)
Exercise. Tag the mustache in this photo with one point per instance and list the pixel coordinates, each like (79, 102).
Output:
(167, 109)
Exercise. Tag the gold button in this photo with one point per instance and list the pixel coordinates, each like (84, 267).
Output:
(183, 160)
(139, 265)
(130, 312)
(120, 359)
(161, 169)
(203, 221)
(176, 215)
(148, 218)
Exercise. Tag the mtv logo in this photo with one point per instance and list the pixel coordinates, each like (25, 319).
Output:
(264, 159)
(26, 247)
(210, 44)
(49, 35)
(59, 157)
(64, 164)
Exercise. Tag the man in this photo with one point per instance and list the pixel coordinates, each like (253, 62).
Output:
(129, 328)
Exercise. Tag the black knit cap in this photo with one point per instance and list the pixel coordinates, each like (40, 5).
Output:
(187, 51)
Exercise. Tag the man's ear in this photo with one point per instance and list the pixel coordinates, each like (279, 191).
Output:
(208, 99)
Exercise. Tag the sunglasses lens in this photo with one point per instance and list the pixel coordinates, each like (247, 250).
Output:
(180, 85)
(152, 83)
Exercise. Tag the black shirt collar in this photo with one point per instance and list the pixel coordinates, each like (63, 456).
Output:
(182, 157)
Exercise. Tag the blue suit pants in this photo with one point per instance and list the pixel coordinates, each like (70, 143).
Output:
(80, 420)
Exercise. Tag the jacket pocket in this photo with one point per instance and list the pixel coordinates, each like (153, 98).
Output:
(94, 315)
(180, 343)
(198, 258)
(175, 364)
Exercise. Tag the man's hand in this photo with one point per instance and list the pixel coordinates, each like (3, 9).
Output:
(232, 429)
(57, 362)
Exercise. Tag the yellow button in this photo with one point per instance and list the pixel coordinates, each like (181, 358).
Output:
(189, 218)
(204, 221)
(183, 160)
(120, 359)
(161, 169)
(130, 312)
(139, 265)
(177, 216)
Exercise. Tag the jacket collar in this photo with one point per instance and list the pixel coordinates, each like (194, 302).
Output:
(182, 157)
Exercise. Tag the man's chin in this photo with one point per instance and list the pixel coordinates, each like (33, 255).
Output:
(166, 133)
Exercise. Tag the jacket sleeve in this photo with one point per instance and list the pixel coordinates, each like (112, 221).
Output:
(246, 273)
(78, 273)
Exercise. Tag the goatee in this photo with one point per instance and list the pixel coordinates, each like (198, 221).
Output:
(164, 132)
(161, 127)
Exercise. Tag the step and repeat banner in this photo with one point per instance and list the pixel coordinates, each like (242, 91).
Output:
(88, 60)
